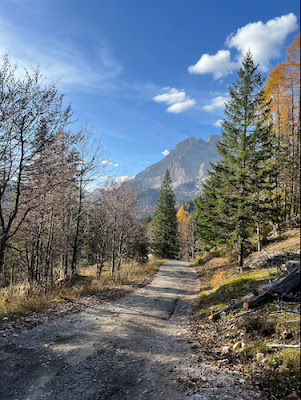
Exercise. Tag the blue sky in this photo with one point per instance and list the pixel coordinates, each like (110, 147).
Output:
(146, 74)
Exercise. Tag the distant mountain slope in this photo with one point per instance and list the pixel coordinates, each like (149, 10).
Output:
(188, 165)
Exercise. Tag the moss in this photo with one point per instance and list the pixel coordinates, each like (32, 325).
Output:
(286, 362)
(289, 360)
(251, 351)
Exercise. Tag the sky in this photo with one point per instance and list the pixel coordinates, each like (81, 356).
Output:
(145, 74)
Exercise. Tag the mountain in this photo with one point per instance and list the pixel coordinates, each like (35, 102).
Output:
(188, 165)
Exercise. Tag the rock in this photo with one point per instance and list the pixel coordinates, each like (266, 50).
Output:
(200, 397)
(223, 361)
(225, 350)
(4, 318)
(204, 379)
(293, 396)
(188, 165)
(242, 381)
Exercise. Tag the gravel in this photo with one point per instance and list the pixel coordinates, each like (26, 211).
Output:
(136, 347)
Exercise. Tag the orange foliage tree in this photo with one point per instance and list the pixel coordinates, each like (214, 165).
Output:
(283, 88)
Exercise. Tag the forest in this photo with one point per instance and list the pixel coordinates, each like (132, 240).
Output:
(255, 188)
(51, 220)
(54, 220)
(74, 252)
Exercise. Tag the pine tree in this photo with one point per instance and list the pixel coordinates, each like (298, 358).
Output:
(212, 215)
(164, 225)
(245, 150)
(238, 192)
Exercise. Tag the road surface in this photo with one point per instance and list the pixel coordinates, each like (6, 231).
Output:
(134, 348)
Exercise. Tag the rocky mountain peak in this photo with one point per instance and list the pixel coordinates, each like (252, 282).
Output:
(185, 144)
(213, 138)
(188, 164)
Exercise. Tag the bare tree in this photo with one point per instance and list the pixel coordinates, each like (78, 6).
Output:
(89, 157)
(31, 116)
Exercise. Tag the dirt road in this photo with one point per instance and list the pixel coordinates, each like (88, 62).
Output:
(132, 348)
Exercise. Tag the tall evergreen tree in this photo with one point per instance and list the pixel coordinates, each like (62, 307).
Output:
(237, 191)
(164, 225)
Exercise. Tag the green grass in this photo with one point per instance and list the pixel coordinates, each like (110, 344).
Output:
(232, 290)
(289, 362)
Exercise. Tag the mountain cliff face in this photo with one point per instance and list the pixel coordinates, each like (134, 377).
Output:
(188, 165)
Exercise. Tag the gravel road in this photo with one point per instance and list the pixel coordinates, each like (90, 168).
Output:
(133, 348)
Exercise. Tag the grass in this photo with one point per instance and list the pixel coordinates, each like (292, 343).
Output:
(222, 286)
(21, 300)
(248, 335)
(288, 241)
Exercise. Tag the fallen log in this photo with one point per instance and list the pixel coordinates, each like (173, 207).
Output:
(286, 346)
(217, 315)
(291, 265)
(289, 284)
(258, 301)
(282, 287)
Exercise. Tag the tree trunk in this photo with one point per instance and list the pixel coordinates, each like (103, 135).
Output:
(276, 230)
(48, 261)
(77, 233)
(66, 266)
(113, 263)
(99, 269)
(240, 255)
(2, 254)
(258, 238)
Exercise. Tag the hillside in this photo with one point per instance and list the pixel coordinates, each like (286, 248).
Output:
(261, 342)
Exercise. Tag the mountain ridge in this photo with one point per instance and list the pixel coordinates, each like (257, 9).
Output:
(188, 164)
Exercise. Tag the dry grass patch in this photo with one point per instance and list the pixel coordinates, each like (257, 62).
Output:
(20, 300)
(288, 241)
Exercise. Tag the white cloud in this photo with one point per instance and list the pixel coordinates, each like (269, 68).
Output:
(172, 96)
(218, 123)
(216, 104)
(265, 40)
(219, 64)
(106, 162)
(181, 107)
(178, 101)
(165, 152)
